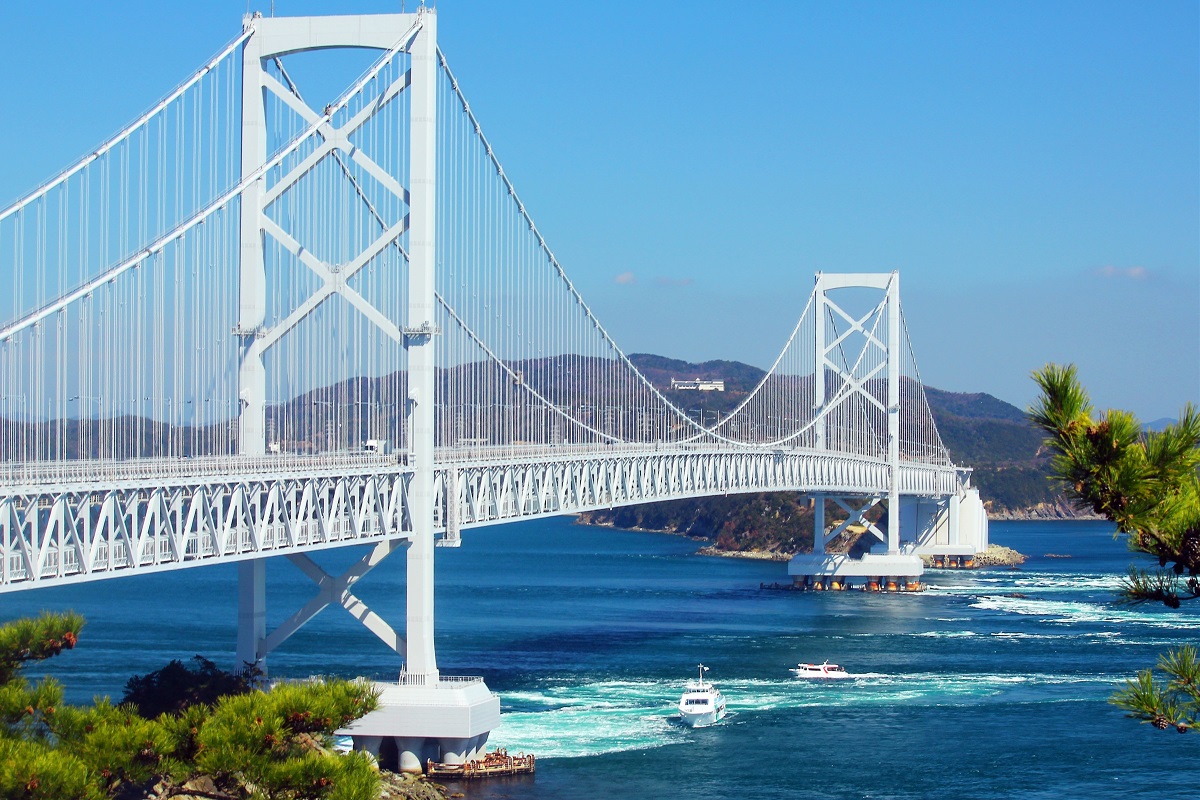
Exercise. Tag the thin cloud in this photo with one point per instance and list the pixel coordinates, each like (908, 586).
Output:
(625, 278)
(664, 281)
(1131, 273)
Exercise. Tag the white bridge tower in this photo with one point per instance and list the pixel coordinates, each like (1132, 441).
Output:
(859, 381)
(421, 716)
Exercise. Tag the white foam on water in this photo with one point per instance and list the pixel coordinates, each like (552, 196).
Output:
(1039, 582)
(1019, 635)
(594, 718)
(572, 721)
(1066, 612)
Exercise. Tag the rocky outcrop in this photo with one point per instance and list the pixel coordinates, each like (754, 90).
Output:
(394, 787)
(758, 555)
(412, 787)
(999, 556)
(1059, 508)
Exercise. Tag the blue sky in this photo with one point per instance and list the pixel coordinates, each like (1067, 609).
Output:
(1032, 169)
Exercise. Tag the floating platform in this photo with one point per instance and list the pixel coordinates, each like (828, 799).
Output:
(493, 764)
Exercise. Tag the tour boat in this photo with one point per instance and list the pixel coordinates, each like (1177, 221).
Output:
(702, 703)
(825, 670)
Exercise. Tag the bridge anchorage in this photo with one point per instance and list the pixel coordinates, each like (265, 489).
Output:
(249, 326)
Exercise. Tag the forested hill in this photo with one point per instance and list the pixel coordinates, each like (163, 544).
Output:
(979, 430)
(1003, 447)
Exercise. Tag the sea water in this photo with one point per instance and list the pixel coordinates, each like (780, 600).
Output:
(991, 684)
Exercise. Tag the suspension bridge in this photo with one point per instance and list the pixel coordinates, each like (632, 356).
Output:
(247, 327)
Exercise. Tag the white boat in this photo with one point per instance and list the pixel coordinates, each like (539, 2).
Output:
(824, 670)
(702, 703)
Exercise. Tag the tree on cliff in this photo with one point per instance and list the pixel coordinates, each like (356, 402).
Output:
(256, 744)
(1148, 484)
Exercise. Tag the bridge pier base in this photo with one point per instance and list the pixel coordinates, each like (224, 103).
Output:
(447, 721)
(873, 572)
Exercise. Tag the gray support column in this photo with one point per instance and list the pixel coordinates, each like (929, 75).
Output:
(252, 610)
(421, 663)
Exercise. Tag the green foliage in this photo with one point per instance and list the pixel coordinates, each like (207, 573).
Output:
(265, 738)
(177, 686)
(1147, 483)
(1174, 703)
(271, 745)
(34, 639)
(37, 771)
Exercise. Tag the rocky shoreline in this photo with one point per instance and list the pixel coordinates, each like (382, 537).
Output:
(1060, 509)
(995, 556)
(757, 555)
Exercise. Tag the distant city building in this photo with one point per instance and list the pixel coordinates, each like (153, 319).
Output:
(698, 384)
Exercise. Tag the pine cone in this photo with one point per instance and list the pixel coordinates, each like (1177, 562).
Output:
(1160, 722)
(1182, 728)
(1189, 552)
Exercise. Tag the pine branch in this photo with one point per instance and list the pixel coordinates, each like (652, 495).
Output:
(1142, 698)
(35, 639)
(1140, 586)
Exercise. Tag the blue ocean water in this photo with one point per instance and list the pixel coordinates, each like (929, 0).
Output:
(991, 684)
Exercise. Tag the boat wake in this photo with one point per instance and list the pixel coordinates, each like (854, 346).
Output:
(590, 719)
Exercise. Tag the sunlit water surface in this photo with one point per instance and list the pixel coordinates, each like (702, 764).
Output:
(992, 684)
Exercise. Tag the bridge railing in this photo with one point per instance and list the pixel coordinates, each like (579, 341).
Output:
(49, 473)
(915, 477)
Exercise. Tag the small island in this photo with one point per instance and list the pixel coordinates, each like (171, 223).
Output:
(767, 526)
(995, 556)
(1010, 467)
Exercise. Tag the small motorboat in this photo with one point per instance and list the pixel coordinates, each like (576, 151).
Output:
(702, 703)
(823, 670)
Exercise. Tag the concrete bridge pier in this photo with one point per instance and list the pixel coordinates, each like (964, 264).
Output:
(954, 527)
(448, 721)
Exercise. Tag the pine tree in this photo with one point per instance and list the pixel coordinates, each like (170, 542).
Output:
(267, 745)
(1148, 484)
(31, 766)
(178, 686)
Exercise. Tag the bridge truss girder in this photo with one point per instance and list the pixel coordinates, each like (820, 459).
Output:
(494, 493)
(73, 534)
(76, 534)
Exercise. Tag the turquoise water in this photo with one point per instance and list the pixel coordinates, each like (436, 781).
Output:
(992, 684)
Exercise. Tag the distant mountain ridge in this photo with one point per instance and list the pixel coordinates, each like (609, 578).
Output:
(993, 437)
(740, 379)
(980, 431)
